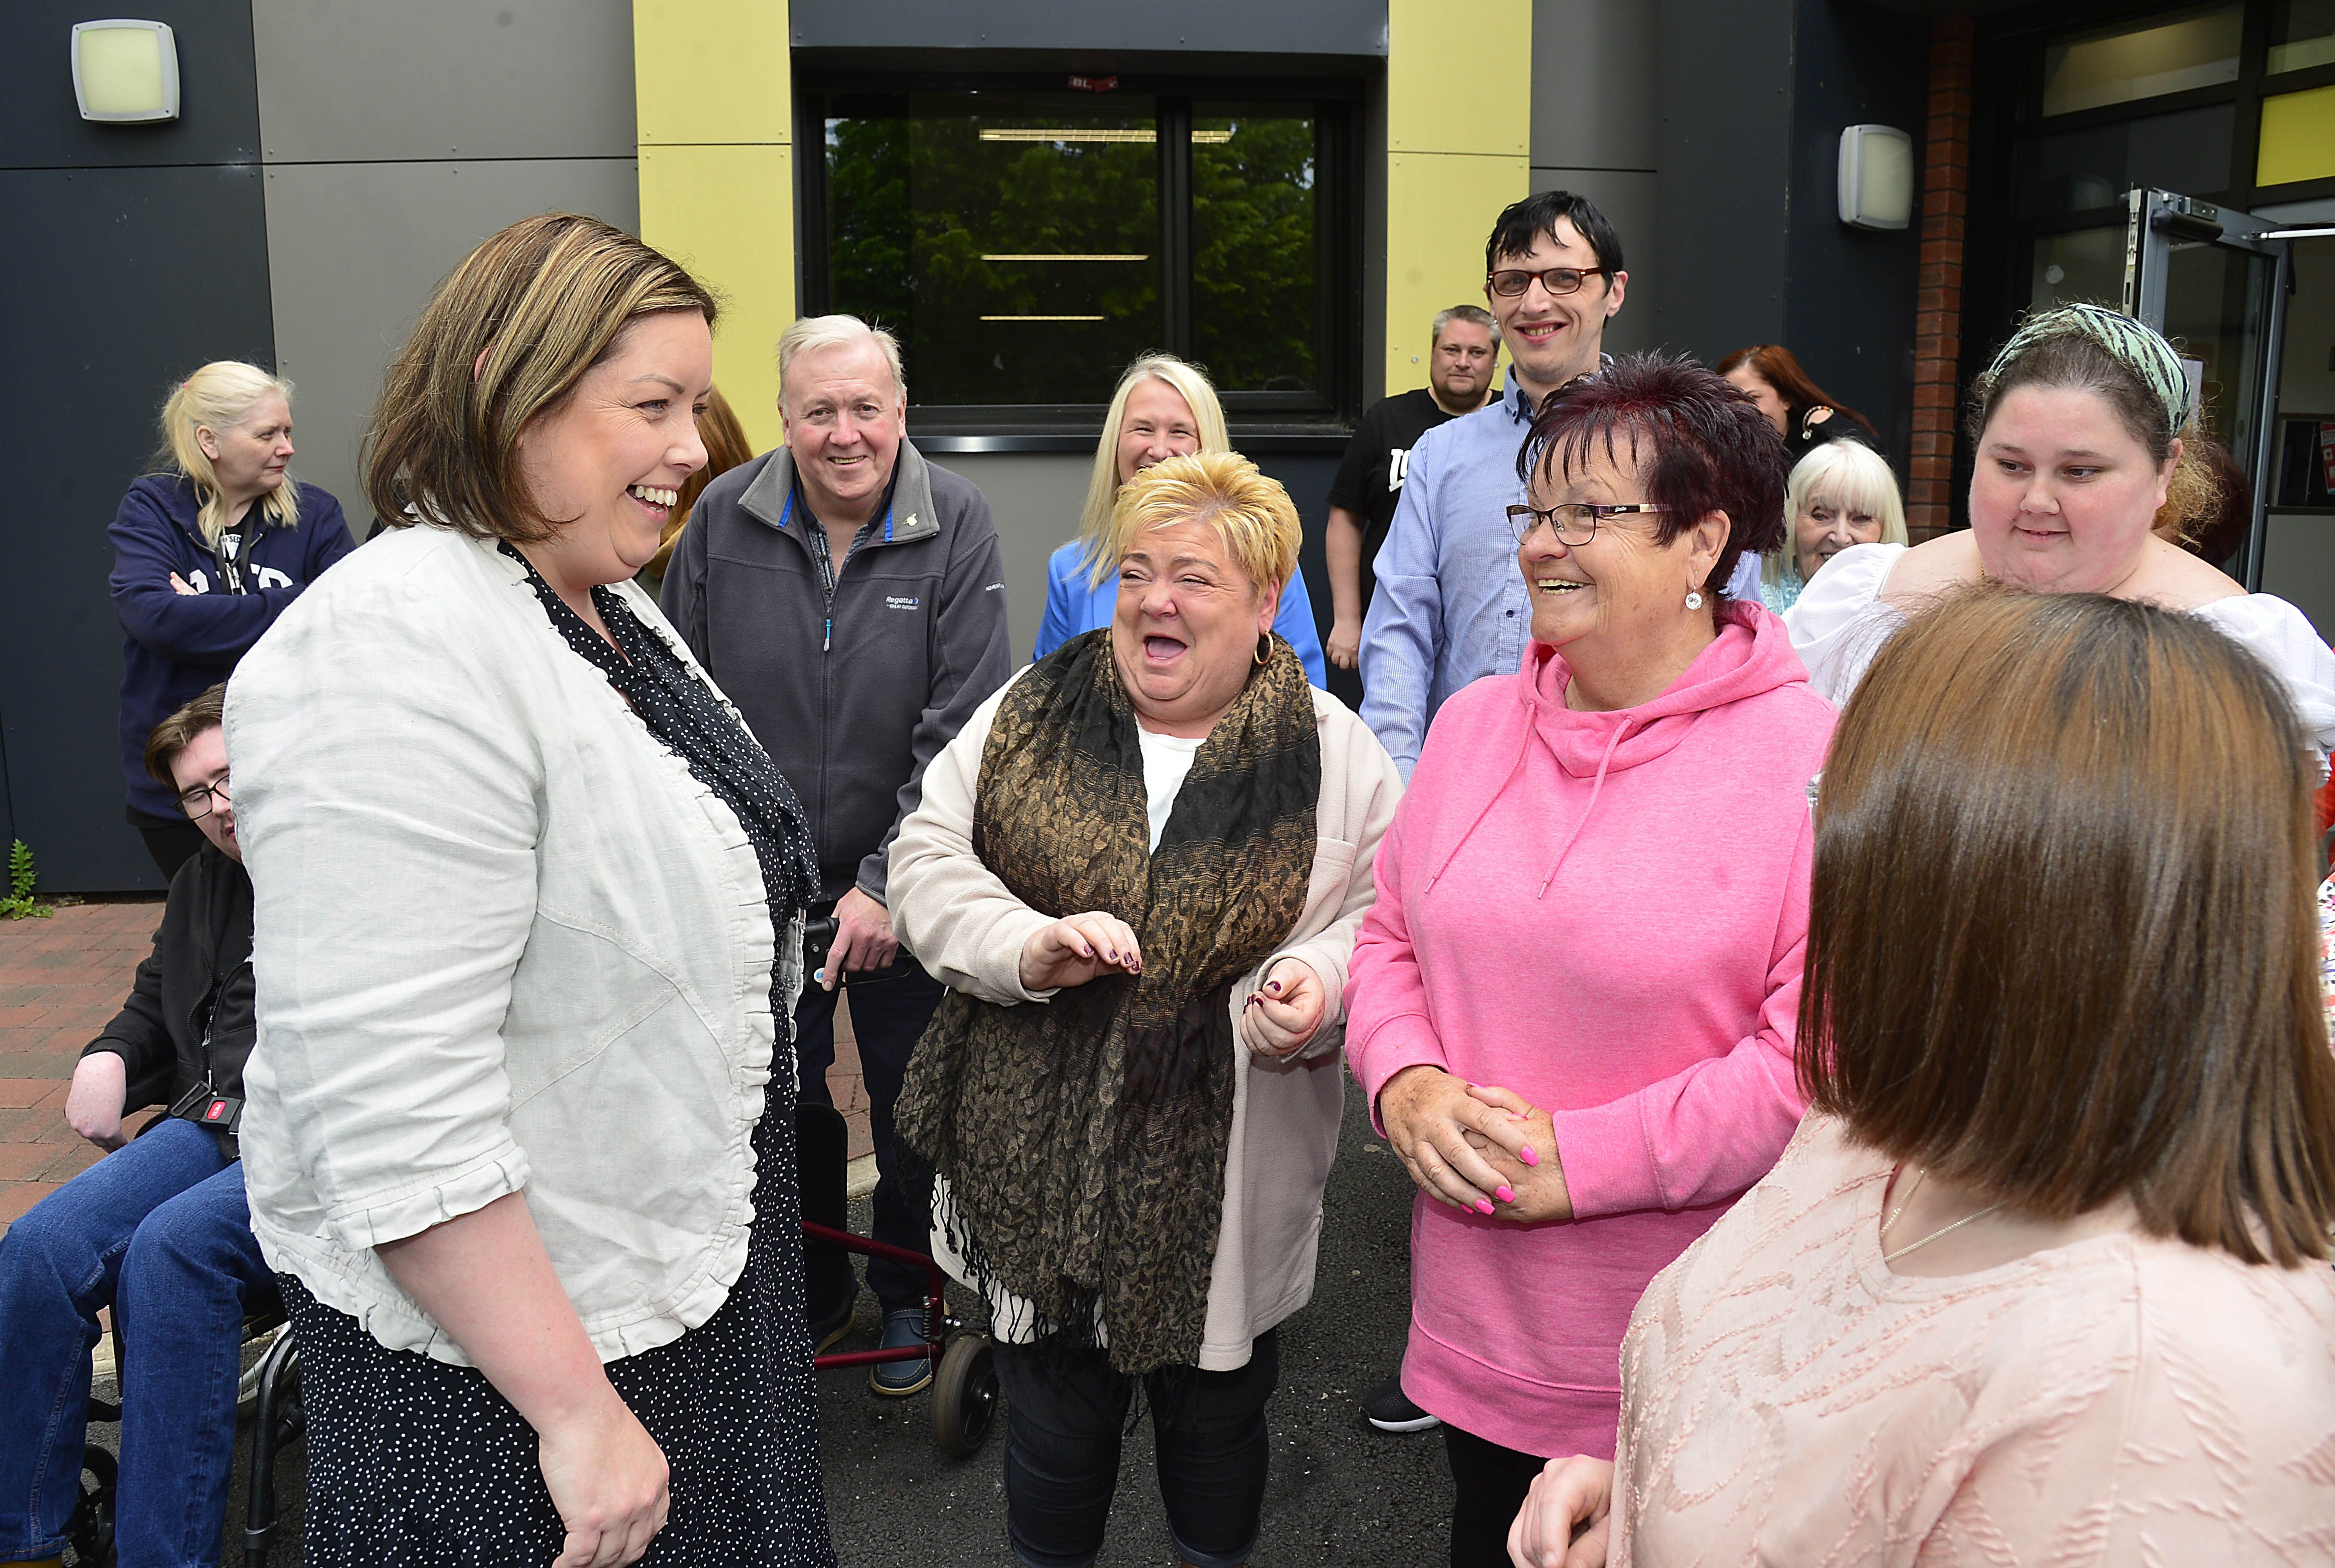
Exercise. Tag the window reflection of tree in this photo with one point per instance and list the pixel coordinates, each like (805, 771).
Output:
(1253, 266)
(944, 199)
(918, 200)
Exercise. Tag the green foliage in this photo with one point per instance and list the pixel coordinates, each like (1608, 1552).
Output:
(19, 902)
(1253, 264)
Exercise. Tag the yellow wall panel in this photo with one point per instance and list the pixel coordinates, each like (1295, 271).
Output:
(727, 214)
(711, 71)
(1459, 77)
(2298, 137)
(710, 79)
(1458, 150)
(1440, 208)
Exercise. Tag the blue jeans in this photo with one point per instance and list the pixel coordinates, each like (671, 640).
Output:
(160, 1231)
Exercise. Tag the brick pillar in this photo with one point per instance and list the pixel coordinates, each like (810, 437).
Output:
(1937, 320)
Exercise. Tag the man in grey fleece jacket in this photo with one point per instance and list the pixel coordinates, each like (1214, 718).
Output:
(850, 599)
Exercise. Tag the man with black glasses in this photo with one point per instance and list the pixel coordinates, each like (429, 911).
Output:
(158, 1229)
(1450, 605)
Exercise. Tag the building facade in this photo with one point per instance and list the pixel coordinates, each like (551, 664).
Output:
(1031, 192)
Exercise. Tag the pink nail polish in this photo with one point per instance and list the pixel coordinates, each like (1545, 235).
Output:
(1482, 1208)
(1505, 1193)
(1526, 1154)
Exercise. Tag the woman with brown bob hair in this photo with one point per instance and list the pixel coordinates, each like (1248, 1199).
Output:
(2043, 1275)
(530, 904)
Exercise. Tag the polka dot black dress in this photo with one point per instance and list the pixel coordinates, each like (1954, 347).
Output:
(422, 1465)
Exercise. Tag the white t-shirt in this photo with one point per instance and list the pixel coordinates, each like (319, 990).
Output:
(1841, 621)
(1165, 759)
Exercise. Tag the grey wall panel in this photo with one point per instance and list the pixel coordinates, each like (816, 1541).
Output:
(1630, 200)
(1352, 27)
(136, 276)
(1595, 102)
(361, 81)
(1848, 312)
(1725, 76)
(356, 250)
(41, 128)
(1035, 497)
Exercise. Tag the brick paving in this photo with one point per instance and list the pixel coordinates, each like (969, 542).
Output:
(63, 979)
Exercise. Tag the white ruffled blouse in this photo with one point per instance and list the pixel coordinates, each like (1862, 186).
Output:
(1841, 621)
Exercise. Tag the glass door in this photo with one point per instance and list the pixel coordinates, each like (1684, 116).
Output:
(2216, 281)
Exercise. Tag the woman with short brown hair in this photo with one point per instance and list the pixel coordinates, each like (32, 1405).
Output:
(2042, 1276)
(529, 903)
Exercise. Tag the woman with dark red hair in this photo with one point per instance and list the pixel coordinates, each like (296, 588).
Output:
(1805, 414)
(1573, 1003)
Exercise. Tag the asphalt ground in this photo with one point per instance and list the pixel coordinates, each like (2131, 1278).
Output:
(1340, 1492)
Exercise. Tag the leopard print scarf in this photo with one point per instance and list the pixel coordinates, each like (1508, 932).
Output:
(1084, 1138)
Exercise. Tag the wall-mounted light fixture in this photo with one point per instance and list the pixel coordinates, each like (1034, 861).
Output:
(1876, 176)
(125, 72)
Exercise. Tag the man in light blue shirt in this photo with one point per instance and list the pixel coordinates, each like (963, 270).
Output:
(1450, 606)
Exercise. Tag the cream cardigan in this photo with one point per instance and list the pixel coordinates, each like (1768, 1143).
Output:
(503, 942)
(968, 931)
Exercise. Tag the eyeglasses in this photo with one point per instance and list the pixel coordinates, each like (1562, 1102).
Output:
(1576, 522)
(1511, 282)
(197, 802)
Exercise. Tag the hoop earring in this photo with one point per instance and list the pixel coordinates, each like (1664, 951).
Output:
(1263, 650)
(1693, 599)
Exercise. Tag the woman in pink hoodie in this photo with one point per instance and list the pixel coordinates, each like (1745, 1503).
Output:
(1573, 1001)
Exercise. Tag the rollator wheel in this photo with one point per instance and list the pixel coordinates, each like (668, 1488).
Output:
(90, 1531)
(964, 1396)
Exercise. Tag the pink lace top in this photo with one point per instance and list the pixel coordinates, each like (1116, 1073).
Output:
(1786, 1398)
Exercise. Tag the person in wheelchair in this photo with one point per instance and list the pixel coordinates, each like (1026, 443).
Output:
(158, 1229)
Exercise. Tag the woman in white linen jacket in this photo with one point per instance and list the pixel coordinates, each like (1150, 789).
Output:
(522, 884)
(1140, 868)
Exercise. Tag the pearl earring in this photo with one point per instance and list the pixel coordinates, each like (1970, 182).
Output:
(1693, 600)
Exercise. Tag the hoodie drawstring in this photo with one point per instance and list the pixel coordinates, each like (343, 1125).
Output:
(1515, 767)
(1596, 787)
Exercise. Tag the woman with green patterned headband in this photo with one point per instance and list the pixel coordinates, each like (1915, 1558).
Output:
(2082, 428)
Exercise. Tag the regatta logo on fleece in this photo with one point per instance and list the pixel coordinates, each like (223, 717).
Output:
(899, 601)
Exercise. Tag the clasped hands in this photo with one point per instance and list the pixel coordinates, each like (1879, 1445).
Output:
(1276, 1019)
(1475, 1147)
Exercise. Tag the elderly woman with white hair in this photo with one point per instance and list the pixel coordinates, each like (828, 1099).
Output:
(1163, 408)
(1140, 868)
(207, 553)
(1841, 494)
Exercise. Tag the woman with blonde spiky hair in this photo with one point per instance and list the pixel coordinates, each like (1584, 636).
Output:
(1140, 869)
(1163, 408)
(207, 551)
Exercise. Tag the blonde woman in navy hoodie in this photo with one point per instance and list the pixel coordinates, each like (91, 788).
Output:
(207, 553)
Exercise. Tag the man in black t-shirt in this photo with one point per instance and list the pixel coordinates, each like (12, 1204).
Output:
(1466, 348)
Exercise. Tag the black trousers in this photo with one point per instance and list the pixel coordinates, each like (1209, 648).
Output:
(1488, 1484)
(1065, 1414)
(172, 841)
(889, 1010)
